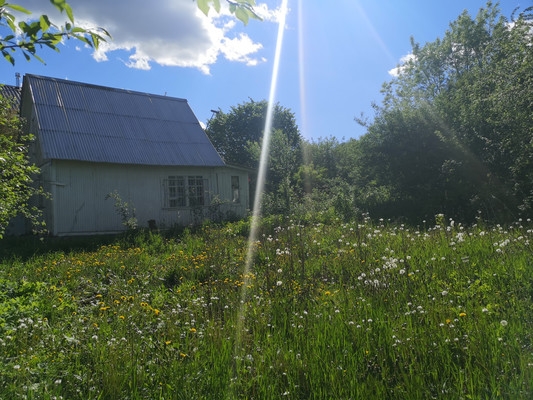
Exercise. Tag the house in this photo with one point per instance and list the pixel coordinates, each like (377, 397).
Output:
(146, 150)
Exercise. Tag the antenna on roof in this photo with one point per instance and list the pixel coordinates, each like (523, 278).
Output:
(215, 112)
(17, 77)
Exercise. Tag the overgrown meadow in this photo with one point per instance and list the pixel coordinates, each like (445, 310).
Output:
(328, 310)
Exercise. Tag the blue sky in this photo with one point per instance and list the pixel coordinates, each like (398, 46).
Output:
(335, 57)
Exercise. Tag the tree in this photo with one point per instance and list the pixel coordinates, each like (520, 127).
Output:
(455, 131)
(235, 133)
(16, 172)
(238, 135)
(28, 37)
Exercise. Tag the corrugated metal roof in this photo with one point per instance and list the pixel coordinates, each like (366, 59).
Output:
(79, 121)
(11, 92)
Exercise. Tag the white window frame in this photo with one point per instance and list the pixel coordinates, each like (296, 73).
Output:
(185, 191)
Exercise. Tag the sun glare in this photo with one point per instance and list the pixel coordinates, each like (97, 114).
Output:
(263, 164)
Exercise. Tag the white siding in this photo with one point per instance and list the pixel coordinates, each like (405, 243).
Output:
(79, 190)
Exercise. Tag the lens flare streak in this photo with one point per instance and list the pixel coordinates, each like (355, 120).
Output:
(263, 164)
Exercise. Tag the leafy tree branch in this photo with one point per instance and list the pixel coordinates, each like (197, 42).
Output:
(242, 9)
(29, 37)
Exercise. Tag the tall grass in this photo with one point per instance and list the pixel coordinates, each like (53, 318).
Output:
(331, 311)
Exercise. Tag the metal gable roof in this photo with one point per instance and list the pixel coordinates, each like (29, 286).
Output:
(78, 121)
(11, 93)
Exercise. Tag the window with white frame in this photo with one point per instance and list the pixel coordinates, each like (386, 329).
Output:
(196, 191)
(184, 191)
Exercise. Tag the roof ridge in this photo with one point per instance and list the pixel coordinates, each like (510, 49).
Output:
(101, 87)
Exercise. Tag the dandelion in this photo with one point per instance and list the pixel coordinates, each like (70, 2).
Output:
(279, 283)
(503, 322)
(463, 314)
(192, 330)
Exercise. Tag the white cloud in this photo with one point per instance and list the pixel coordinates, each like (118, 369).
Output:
(395, 72)
(171, 33)
(240, 49)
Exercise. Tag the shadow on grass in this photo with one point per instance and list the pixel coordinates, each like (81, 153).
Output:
(24, 247)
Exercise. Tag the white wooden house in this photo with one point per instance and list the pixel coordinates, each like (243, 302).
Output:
(149, 149)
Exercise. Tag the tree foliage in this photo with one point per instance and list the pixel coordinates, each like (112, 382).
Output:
(28, 37)
(242, 9)
(238, 136)
(455, 131)
(236, 133)
(16, 172)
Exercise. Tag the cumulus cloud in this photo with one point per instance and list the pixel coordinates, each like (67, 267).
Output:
(171, 33)
(395, 72)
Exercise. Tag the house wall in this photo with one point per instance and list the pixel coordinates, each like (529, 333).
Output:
(78, 190)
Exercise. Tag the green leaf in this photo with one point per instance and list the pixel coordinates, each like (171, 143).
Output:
(59, 4)
(203, 6)
(10, 21)
(96, 40)
(39, 58)
(216, 5)
(44, 22)
(18, 8)
(83, 39)
(242, 15)
(106, 33)
(70, 14)
(8, 57)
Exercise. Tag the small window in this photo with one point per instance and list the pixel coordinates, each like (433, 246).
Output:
(235, 189)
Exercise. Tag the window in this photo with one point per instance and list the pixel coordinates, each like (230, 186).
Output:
(235, 189)
(196, 191)
(181, 191)
(176, 192)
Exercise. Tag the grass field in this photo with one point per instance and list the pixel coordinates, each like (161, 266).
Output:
(328, 311)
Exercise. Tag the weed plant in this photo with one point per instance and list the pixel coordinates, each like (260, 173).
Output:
(328, 311)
